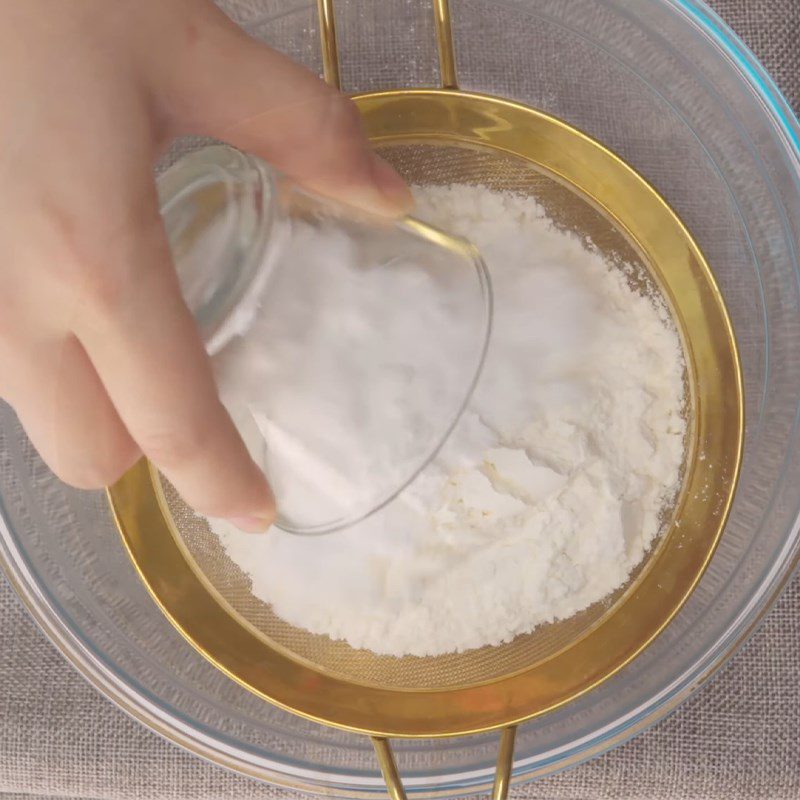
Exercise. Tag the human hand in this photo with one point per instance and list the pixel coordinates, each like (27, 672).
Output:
(99, 355)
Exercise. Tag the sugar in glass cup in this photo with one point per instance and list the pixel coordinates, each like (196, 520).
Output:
(346, 345)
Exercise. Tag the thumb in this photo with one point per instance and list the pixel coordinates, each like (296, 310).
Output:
(233, 88)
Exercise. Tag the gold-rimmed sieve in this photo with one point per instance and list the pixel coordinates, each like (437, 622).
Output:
(449, 136)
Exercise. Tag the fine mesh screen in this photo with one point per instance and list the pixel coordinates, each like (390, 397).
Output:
(429, 164)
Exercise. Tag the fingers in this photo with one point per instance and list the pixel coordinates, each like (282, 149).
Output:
(68, 415)
(227, 85)
(144, 344)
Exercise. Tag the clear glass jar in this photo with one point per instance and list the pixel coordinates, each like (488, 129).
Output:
(345, 345)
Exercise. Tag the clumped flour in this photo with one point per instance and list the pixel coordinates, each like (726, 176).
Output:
(550, 489)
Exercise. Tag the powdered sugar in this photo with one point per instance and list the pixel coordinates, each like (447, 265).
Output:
(550, 489)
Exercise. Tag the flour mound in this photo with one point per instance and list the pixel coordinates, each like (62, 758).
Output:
(551, 488)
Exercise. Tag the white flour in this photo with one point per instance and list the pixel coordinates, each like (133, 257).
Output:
(329, 326)
(550, 489)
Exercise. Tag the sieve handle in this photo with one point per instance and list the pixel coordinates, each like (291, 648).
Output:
(502, 774)
(444, 40)
(394, 784)
(505, 764)
(327, 37)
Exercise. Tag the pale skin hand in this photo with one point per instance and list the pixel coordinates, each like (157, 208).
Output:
(98, 354)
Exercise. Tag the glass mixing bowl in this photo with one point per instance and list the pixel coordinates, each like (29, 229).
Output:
(667, 86)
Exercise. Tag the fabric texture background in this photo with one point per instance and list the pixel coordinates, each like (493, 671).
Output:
(737, 738)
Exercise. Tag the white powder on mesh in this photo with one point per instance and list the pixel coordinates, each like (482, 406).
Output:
(549, 491)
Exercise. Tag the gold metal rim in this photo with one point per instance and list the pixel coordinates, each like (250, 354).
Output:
(674, 569)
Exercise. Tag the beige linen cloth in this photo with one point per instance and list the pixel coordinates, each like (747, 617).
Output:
(737, 738)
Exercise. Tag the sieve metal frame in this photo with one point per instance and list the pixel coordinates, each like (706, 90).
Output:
(451, 116)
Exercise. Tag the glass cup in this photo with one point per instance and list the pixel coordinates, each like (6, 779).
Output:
(345, 345)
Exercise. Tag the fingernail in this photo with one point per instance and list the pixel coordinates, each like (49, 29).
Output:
(393, 189)
(251, 524)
